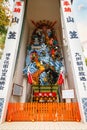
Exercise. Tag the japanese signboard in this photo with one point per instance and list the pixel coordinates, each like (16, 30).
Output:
(77, 58)
(9, 57)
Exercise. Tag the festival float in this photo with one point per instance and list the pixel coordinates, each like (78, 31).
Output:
(44, 63)
(43, 73)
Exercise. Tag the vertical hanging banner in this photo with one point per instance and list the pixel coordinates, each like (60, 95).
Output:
(77, 58)
(9, 57)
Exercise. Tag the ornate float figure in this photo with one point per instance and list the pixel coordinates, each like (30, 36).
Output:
(45, 59)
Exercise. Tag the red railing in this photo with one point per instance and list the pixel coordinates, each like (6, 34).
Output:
(43, 112)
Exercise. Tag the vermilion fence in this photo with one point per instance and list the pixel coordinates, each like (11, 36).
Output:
(43, 112)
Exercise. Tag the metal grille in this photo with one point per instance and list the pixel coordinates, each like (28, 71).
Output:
(84, 102)
(1, 106)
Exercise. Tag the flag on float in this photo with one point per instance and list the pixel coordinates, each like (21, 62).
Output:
(30, 81)
(60, 79)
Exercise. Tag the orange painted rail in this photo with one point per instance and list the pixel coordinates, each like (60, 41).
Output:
(43, 112)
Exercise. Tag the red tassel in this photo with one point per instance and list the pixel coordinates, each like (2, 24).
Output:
(30, 81)
(60, 79)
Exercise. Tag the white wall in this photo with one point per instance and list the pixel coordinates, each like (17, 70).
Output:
(20, 61)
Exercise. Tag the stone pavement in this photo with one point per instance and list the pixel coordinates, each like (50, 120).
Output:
(43, 126)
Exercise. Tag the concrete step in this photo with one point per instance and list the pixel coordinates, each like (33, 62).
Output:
(43, 126)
